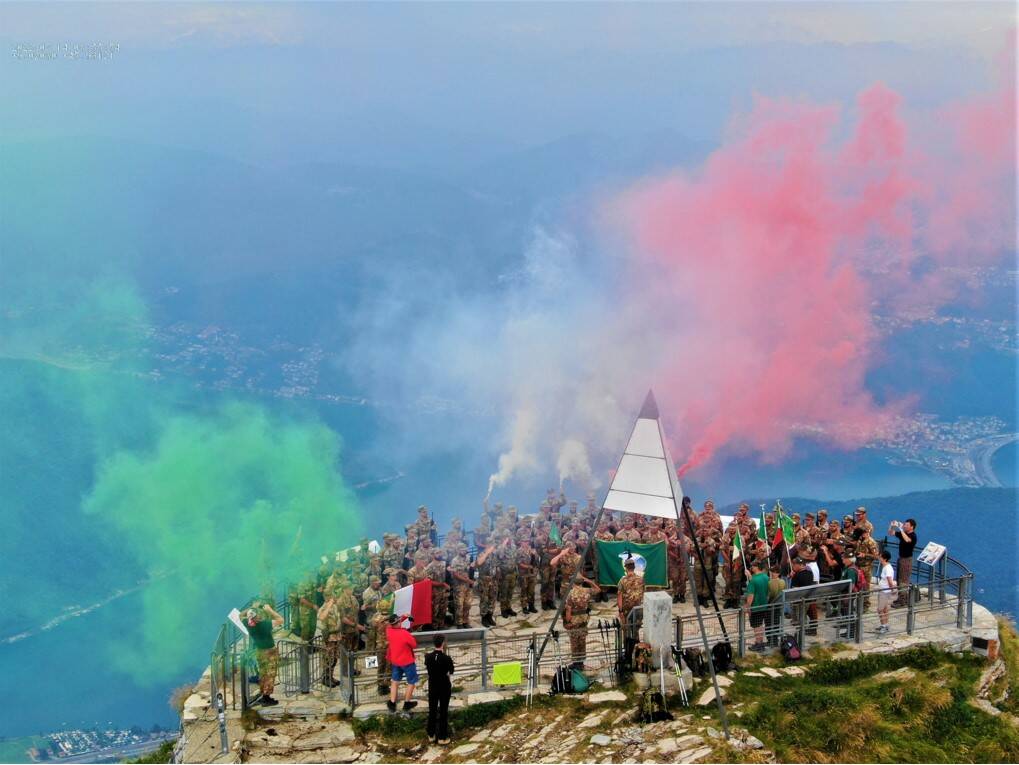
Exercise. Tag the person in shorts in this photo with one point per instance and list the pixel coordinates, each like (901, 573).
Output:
(755, 604)
(400, 655)
(887, 591)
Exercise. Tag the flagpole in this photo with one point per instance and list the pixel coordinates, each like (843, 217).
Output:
(700, 618)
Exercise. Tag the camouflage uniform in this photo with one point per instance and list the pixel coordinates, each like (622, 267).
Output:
(378, 625)
(732, 568)
(527, 561)
(547, 575)
(866, 553)
(507, 577)
(709, 537)
(628, 534)
(487, 583)
(440, 592)
(304, 617)
(631, 594)
(578, 602)
(460, 564)
(677, 567)
(392, 553)
(369, 603)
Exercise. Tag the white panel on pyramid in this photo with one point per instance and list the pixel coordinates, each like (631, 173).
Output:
(645, 482)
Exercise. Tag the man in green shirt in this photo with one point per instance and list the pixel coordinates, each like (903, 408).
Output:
(260, 620)
(755, 604)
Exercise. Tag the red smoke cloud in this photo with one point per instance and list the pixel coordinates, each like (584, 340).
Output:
(774, 254)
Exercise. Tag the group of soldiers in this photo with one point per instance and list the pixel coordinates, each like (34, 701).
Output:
(528, 560)
(815, 539)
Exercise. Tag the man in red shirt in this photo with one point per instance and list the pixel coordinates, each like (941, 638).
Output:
(400, 655)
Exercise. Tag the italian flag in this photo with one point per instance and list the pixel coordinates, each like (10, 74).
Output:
(762, 529)
(737, 548)
(416, 600)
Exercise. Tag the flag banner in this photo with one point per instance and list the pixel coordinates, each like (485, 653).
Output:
(416, 600)
(508, 673)
(788, 529)
(555, 536)
(737, 549)
(762, 528)
(651, 561)
(235, 617)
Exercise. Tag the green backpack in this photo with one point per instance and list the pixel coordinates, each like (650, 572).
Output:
(579, 681)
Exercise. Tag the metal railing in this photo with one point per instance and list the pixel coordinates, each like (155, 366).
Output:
(826, 613)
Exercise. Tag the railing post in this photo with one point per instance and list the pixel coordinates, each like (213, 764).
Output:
(942, 574)
(960, 606)
(969, 600)
(304, 673)
(930, 587)
(484, 660)
(801, 633)
(911, 594)
(858, 615)
(741, 622)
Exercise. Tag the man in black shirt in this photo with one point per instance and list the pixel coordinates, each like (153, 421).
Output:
(440, 671)
(906, 534)
(804, 577)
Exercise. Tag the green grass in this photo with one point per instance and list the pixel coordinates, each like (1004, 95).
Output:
(1009, 655)
(841, 712)
(162, 754)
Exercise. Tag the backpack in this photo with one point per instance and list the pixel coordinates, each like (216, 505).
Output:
(652, 707)
(562, 681)
(721, 656)
(694, 660)
(642, 658)
(861, 580)
(790, 648)
(578, 681)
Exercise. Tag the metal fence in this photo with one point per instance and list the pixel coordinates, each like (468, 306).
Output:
(823, 614)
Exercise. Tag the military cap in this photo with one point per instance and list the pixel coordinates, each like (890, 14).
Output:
(847, 518)
(373, 579)
(810, 516)
(392, 571)
(629, 563)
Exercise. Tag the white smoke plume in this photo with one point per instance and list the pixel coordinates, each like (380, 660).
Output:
(574, 465)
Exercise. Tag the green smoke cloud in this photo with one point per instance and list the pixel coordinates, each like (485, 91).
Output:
(109, 477)
(217, 499)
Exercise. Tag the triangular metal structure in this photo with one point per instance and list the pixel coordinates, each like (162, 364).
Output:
(645, 483)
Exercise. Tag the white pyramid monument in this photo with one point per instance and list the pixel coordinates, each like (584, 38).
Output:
(645, 481)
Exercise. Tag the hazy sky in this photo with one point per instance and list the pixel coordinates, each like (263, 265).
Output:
(453, 85)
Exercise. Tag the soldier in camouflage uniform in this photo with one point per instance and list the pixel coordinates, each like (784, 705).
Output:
(463, 586)
(392, 553)
(709, 537)
(732, 567)
(629, 594)
(862, 523)
(866, 554)
(370, 599)
(629, 532)
(378, 624)
(339, 627)
(440, 590)
(527, 567)
(304, 610)
(546, 552)
(677, 564)
(566, 563)
(575, 619)
(507, 557)
(392, 581)
(419, 571)
(487, 566)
